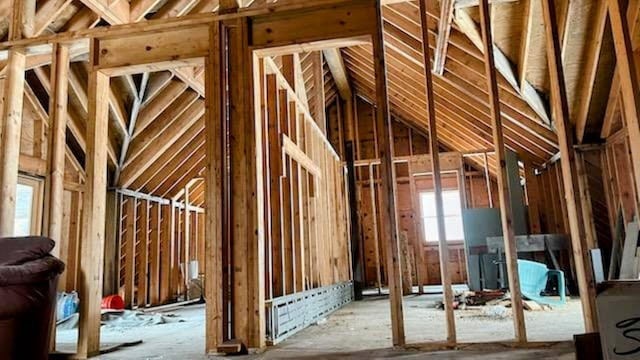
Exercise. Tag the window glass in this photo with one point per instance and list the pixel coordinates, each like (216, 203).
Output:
(452, 215)
(24, 210)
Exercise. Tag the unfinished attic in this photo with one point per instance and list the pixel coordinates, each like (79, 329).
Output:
(192, 179)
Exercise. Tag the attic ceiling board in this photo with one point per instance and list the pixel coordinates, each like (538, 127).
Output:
(460, 94)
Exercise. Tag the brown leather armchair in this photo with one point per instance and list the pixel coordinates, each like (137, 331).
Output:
(28, 282)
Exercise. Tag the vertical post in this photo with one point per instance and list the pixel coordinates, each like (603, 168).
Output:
(560, 109)
(387, 180)
(130, 251)
(533, 196)
(186, 226)
(443, 247)
(10, 139)
(111, 253)
(215, 130)
(487, 177)
(143, 254)
(629, 82)
(357, 261)
(233, 113)
(503, 184)
(93, 214)
(57, 129)
(154, 254)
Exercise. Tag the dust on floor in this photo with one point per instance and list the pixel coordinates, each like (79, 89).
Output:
(353, 331)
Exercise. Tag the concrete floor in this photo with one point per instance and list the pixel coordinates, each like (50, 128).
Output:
(353, 331)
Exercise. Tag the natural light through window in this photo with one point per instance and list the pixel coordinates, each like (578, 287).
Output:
(24, 207)
(452, 215)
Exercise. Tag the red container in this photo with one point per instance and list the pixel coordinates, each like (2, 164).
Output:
(114, 302)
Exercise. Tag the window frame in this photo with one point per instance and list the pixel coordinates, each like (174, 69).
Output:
(37, 201)
(423, 217)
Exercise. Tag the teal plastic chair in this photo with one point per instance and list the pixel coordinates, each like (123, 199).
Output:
(533, 281)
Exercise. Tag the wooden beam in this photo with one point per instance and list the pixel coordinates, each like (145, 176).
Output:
(93, 210)
(567, 161)
(215, 129)
(585, 92)
(113, 11)
(470, 3)
(467, 25)
(338, 71)
(387, 180)
(503, 184)
(319, 113)
(628, 76)
(144, 48)
(10, 140)
(434, 152)
(442, 39)
(57, 142)
(331, 22)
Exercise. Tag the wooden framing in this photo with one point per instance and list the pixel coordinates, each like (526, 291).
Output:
(91, 259)
(568, 164)
(387, 179)
(435, 158)
(628, 78)
(10, 139)
(503, 186)
(309, 170)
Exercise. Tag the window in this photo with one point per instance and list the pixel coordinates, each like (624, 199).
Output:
(28, 201)
(452, 215)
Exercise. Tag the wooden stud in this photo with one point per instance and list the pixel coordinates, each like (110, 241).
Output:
(57, 144)
(387, 180)
(10, 139)
(165, 250)
(92, 246)
(533, 197)
(503, 185)
(568, 166)
(154, 253)
(130, 251)
(437, 180)
(628, 77)
(143, 253)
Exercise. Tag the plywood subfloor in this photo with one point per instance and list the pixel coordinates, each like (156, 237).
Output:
(360, 330)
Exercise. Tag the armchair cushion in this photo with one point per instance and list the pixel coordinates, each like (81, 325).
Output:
(18, 250)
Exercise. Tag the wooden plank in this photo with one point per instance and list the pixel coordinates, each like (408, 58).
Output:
(567, 162)
(297, 154)
(628, 77)
(57, 142)
(434, 152)
(346, 20)
(93, 210)
(533, 197)
(114, 12)
(130, 211)
(275, 173)
(154, 253)
(387, 178)
(143, 253)
(148, 48)
(166, 239)
(338, 70)
(442, 39)
(10, 139)
(503, 186)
